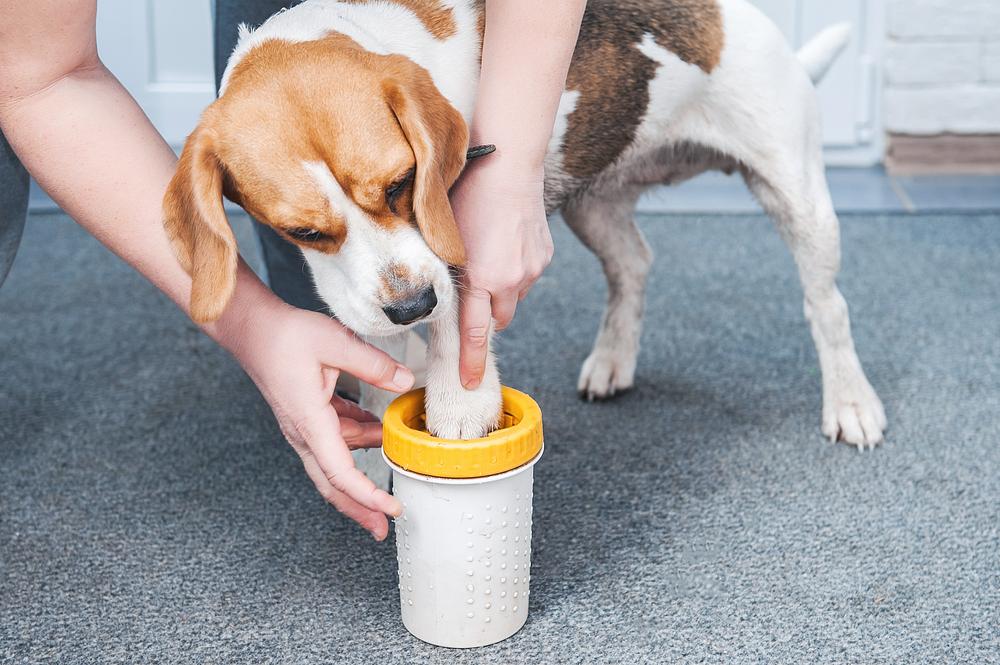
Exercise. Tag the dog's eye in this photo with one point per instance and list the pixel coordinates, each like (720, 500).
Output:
(306, 234)
(393, 191)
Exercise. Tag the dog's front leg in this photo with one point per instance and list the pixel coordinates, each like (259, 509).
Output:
(452, 411)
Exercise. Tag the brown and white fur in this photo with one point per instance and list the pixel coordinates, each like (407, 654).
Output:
(328, 105)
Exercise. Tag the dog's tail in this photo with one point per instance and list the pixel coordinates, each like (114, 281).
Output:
(821, 51)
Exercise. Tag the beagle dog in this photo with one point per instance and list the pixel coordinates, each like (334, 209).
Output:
(343, 125)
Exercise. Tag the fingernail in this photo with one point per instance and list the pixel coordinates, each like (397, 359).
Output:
(403, 378)
(395, 507)
(471, 383)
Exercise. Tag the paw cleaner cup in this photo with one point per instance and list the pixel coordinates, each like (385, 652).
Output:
(464, 538)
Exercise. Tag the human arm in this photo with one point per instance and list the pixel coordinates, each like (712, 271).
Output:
(497, 203)
(91, 147)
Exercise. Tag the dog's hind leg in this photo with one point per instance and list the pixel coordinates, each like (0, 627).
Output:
(794, 191)
(605, 223)
(375, 400)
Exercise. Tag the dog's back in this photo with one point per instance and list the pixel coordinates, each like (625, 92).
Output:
(660, 90)
(620, 52)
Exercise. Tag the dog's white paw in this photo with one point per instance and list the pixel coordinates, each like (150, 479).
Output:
(606, 372)
(457, 413)
(853, 413)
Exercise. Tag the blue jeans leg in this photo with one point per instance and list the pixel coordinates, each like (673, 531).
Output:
(13, 205)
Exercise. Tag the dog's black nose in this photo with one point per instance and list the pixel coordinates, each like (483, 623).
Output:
(412, 308)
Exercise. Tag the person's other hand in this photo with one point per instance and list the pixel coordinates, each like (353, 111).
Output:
(295, 358)
(501, 216)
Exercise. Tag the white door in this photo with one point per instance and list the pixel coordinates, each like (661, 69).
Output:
(850, 98)
(162, 51)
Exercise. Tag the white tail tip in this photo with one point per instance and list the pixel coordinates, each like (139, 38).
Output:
(822, 50)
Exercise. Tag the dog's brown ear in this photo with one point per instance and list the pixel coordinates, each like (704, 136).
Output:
(197, 227)
(439, 138)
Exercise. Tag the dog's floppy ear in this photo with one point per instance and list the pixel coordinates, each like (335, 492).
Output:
(197, 227)
(439, 138)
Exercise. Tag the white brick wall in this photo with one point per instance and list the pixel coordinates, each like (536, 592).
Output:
(942, 66)
(991, 62)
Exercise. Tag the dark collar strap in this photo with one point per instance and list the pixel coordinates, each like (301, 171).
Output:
(479, 151)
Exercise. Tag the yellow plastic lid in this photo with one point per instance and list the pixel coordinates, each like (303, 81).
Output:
(407, 443)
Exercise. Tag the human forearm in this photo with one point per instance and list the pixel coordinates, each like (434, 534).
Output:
(498, 202)
(89, 144)
(527, 50)
(91, 147)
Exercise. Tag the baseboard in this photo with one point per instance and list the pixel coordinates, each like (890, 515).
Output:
(943, 153)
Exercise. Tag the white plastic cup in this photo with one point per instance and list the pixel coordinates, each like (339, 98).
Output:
(464, 553)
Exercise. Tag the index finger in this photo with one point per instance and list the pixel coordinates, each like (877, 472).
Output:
(474, 332)
(323, 437)
(372, 521)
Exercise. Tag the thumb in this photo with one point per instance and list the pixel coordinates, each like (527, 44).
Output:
(350, 354)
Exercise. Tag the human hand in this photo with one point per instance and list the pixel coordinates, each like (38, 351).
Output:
(295, 358)
(500, 214)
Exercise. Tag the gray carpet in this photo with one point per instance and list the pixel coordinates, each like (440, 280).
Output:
(149, 511)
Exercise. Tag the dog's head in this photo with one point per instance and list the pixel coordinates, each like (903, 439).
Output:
(346, 153)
